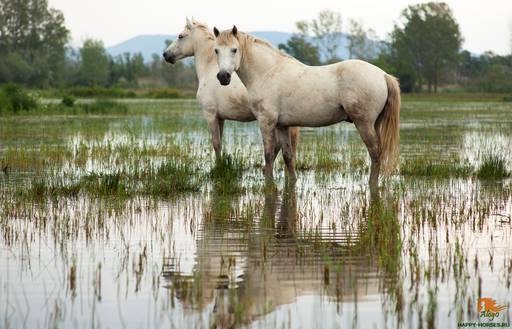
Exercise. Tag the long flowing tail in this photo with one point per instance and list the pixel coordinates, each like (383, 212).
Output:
(388, 126)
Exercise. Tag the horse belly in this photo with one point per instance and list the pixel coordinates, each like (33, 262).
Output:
(313, 117)
(236, 114)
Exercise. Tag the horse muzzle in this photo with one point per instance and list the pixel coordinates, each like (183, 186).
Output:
(169, 58)
(224, 78)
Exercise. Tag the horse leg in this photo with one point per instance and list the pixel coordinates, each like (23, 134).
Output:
(216, 127)
(221, 130)
(294, 136)
(285, 139)
(268, 133)
(372, 142)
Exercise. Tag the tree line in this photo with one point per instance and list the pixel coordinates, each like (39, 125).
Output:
(424, 51)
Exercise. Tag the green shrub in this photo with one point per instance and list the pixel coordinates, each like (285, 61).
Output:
(68, 100)
(14, 98)
(507, 98)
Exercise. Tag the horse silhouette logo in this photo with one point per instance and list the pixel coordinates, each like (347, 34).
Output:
(488, 308)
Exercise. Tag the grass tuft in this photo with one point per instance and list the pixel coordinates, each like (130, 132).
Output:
(227, 174)
(172, 178)
(493, 167)
(429, 168)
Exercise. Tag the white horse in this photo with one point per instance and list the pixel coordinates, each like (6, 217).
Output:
(286, 93)
(218, 103)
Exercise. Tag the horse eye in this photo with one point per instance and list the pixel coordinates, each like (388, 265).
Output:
(217, 51)
(234, 50)
(180, 36)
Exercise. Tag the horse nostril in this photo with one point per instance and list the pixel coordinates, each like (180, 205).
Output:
(164, 55)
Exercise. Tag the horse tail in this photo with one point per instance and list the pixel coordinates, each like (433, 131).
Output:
(388, 126)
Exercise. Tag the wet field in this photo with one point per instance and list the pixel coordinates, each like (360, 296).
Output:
(123, 219)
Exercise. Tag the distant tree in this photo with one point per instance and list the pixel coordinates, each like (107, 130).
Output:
(127, 68)
(362, 43)
(485, 73)
(326, 30)
(94, 65)
(299, 47)
(33, 38)
(71, 67)
(179, 75)
(428, 43)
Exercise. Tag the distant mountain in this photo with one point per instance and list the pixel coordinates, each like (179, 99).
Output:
(155, 44)
(145, 44)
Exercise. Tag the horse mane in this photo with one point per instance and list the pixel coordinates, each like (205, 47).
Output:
(203, 27)
(246, 41)
(210, 55)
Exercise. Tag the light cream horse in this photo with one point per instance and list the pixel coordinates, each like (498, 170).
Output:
(217, 102)
(286, 93)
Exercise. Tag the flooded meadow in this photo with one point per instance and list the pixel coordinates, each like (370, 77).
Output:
(124, 219)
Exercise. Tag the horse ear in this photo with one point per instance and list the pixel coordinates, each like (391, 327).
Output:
(234, 30)
(216, 32)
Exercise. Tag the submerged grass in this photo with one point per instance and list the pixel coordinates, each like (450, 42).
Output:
(492, 167)
(171, 178)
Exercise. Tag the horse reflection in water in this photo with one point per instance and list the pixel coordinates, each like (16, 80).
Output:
(248, 266)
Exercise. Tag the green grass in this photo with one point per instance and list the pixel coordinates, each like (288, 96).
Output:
(103, 107)
(321, 159)
(115, 92)
(430, 168)
(493, 167)
(16, 100)
(226, 174)
(171, 178)
(98, 92)
(452, 97)
(163, 93)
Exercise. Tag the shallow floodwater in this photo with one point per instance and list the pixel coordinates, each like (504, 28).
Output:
(318, 253)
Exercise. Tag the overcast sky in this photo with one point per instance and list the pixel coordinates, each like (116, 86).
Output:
(485, 24)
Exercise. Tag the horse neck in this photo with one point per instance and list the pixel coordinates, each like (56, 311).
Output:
(203, 51)
(258, 60)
